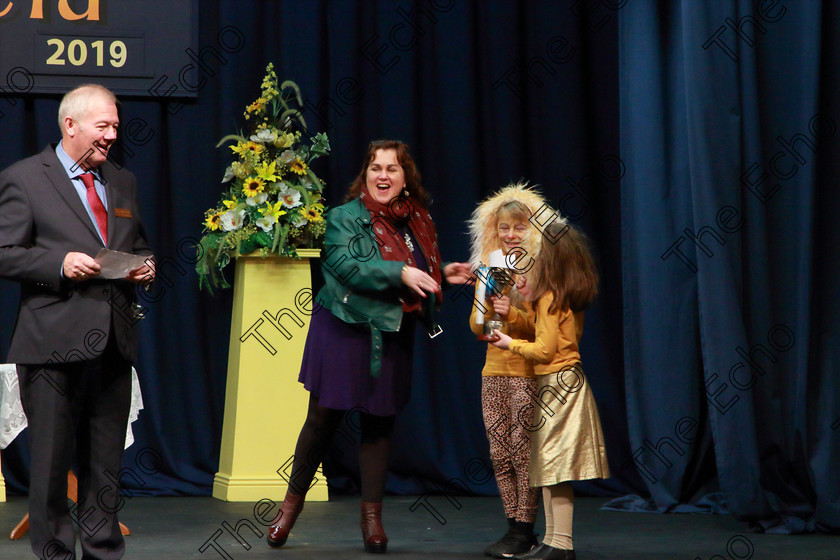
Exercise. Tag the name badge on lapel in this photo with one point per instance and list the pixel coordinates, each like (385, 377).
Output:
(122, 212)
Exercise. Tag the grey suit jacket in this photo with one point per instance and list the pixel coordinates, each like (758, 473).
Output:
(41, 220)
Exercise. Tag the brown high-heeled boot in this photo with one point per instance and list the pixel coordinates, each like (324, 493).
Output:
(285, 520)
(372, 532)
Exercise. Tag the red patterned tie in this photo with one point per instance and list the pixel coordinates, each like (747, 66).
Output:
(99, 211)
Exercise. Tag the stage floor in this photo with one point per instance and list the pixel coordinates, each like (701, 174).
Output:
(178, 528)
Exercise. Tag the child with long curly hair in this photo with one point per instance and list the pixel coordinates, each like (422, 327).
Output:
(567, 443)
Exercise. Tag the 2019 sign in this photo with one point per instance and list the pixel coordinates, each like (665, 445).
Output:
(91, 55)
(77, 52)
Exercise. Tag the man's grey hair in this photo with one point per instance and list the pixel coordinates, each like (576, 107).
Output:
(76, 101)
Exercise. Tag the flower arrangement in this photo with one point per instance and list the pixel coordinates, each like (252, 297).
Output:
(274, 204)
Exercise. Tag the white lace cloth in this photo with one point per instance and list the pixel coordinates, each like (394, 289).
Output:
(13, 420)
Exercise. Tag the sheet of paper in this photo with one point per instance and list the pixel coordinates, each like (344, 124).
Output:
(116, 264)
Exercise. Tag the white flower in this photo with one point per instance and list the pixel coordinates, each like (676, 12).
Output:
(266, 223)
(290, 198)
(263, 135)
(229, 174)
(301, 221)
(233, 219)
(257, 200)
(288, 156)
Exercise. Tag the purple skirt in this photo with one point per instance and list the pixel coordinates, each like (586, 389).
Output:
(336, 365)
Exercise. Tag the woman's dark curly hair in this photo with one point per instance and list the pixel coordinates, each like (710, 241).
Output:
(412, 176)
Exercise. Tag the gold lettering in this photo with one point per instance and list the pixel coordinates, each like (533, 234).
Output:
(92, 12)
(37, 10)
(6, 11)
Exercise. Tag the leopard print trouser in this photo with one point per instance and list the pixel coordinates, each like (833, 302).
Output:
(504, 400)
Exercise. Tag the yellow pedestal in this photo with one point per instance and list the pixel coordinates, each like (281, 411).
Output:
(265, 406)
(2, 486)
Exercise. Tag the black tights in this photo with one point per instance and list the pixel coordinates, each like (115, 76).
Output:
(314, 440)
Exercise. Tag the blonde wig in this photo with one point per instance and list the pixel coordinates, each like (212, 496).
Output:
(483, 224)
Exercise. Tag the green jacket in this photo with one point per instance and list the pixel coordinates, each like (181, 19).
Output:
(360, 286)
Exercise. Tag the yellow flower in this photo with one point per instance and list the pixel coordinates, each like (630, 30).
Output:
(256, 107)
(275, 210)
(243, 148)
(313, 214)
(267, 171)
(229, 203)
(253, 186)
(284, 140)
(240, 170)
(297, 166)
(317, 229)
(213, 220)
(269, 83)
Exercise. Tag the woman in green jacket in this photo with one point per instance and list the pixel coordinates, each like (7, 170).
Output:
(382, 269)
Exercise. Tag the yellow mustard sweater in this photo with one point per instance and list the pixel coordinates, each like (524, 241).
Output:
(502, 362)
(556, 336)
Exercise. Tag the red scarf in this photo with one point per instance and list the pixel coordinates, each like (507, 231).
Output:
(399, 212)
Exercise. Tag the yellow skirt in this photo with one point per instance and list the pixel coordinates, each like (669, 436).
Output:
(567, 442)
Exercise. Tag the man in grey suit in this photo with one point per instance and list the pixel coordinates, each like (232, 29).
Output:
(75, 338)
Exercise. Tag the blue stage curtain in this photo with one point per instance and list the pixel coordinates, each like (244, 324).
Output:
(729, 114)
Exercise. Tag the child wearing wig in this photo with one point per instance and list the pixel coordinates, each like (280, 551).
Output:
(507, 383)
(568, 444)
